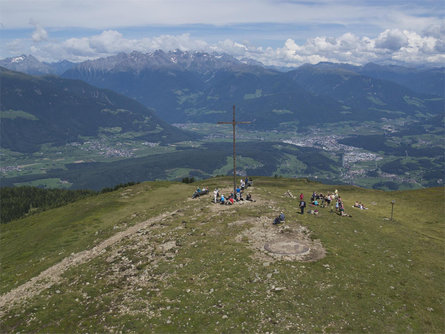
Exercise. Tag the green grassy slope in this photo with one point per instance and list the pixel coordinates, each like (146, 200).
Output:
(195, 270)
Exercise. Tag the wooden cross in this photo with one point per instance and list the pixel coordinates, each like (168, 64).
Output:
(234, 123)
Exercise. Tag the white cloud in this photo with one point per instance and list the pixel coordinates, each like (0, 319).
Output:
(301, 31)
(39, 34)
(392, 39)
(390, 46)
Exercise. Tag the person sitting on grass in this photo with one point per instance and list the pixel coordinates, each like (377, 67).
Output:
(222, 199)
(280, 219)
(249, 198)
(359, 205)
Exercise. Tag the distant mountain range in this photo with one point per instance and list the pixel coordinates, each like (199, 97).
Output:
(53, 110)
(202, 87)
(137, 95)
(197, 87)
(31, 65)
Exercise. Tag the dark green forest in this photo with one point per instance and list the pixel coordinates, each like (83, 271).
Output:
(16, 202)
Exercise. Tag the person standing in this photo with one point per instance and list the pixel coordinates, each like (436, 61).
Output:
(302, 206)
(215, 195)
(301, 196)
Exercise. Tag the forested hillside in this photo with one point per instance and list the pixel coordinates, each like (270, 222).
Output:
(55, 111)
(16, 202)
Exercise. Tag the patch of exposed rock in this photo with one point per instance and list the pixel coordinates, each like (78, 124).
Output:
(282, 242)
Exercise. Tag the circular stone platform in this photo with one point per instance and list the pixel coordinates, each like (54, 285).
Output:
(287, 248)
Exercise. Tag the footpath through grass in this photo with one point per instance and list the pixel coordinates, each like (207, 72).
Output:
(29, 246)
(193, 272)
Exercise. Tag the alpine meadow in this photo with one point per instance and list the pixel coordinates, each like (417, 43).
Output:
(222, 167)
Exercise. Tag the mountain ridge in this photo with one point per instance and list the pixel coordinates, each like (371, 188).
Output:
(190, 87)
(39, 110)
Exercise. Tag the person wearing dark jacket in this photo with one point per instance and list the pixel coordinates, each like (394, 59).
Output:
(279, 219)
(302, 206)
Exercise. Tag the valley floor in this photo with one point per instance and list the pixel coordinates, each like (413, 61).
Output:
(352, 153)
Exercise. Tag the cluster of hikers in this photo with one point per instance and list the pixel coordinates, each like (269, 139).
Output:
(232, 197)
(320, 200)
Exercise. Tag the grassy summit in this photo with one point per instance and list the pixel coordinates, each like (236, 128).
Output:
(149, 258)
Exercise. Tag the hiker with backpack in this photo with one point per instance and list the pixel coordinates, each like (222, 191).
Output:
(302, 206)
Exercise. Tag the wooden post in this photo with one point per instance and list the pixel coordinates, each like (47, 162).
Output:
(234, 123)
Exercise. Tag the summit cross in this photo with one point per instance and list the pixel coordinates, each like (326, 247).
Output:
(234, 123)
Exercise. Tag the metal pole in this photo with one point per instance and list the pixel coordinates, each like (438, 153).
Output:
(234, 154)
(234, 147)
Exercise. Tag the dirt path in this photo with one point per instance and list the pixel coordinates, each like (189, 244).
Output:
(53, 274)
(263, 239)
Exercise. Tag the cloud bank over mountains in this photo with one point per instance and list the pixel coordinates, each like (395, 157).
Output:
(275, 32)
(390, 46)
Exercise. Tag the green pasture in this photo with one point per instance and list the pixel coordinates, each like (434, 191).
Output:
(378, 276)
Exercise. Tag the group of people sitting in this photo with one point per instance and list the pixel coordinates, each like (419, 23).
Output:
(200, 192)
(238, 196)
(360, 205)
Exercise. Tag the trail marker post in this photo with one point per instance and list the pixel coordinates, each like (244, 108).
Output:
(392, 208)
(234, 123)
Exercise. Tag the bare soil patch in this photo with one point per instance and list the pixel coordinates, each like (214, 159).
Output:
(282, 242)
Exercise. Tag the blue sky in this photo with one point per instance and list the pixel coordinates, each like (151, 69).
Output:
(275, 32)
